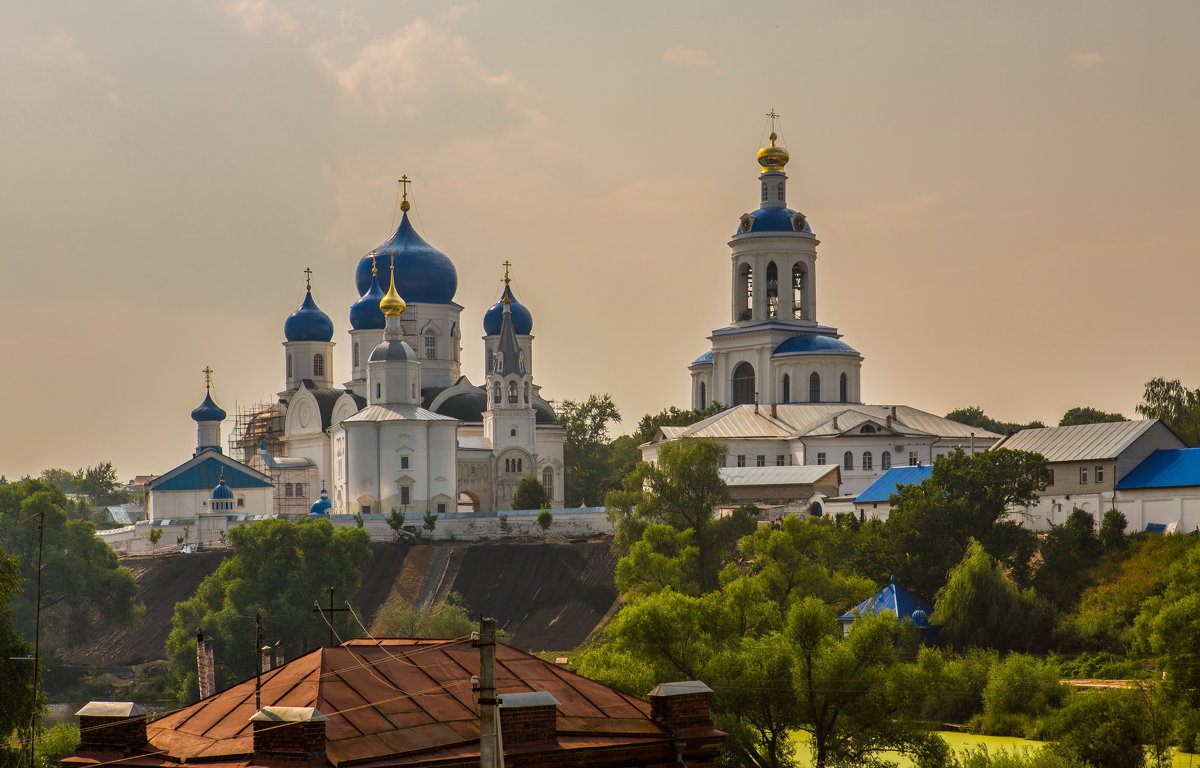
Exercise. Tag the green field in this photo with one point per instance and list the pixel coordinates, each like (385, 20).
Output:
(959, 741)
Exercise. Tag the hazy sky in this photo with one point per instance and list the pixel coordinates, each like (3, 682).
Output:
(1006, 194)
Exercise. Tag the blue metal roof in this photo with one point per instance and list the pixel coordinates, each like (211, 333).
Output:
(887, 484)
(308, 323)
(813, 344)
(365, 313)
(773, 220)
(1165, 469)
(208, 410)
(206, 474)
(423, 273)
(321, 506)
(522, 320)
(705, 359)
(894, 598)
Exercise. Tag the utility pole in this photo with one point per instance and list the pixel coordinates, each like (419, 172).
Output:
(37, 641)
(489, 752)
(331, 611)
(257, 662)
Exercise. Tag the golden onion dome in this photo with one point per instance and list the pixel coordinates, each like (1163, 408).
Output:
(773, 158)
(391, 304)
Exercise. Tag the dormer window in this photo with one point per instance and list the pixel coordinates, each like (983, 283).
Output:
(868, 429)
(799, 221)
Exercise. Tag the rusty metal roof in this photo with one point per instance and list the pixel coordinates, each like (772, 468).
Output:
(401, 700)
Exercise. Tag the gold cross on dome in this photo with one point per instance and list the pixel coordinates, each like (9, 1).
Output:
(507, 267)
(208, 372)
(404, 181)
(308, 278)
(773, 117)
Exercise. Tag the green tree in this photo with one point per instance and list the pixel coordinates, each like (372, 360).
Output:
(155, 536)
(683, 490)
(20, 695)
(966, 497)
(83, 585)
(973, 416)
(1105, 729)
(1069, 550)
(1085, 415)
(101, 485)
(395, 521)
(545, 519)
(1112, 530)
(399, 618)
(1020, 689)
(664, 558)
(63, 479)
(586, 451)
(429, 522)
(1168, 626)
(530, 494)
(981, 608)
(278, 569)
(505, 526)
(1174, 405)
(672, 417)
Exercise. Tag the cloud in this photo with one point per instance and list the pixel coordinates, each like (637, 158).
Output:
(257, 16)
(693, 59)
(59, 50)
(1086, 60)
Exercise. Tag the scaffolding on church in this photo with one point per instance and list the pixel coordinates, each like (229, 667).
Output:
(255, 425)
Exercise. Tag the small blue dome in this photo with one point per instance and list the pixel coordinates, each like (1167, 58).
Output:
(208, 410)
(522, 320)
(423, 273)
(308, 323)
(705, 359)
(813, 345)
(774, 220)
(321, 506)
(365, 313)
(222, 491)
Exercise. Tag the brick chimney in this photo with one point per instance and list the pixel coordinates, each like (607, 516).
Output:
(289, 734)
(679, 706)
(112, 726)
(528, 718)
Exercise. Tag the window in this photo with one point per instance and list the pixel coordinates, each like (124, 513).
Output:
(430, 344)
(779, 191)
(364, 509)
(1051, 482)
(761, 461)
(300, 489)
(820, 458)
(746, 302)
(1083, 475)
(405, 494)
(378, 391)
(843, 389)
(868, 429)
(1099, 473)
(496, 392)
(787, 388)
(743, 384)
(772, 291)
(403, 462)
(703, 395)
(741, 459)
(548, 482)
(512, 392)
(527, 393)
(441, 508)
(868, 461)
(356, 354)
(318, 364)
(814, 387)
(287, 490)
(798, 291)
(912, 459)
(848, 460)
(241, 501)
(885, 460)
(779, 460)
(289, 366)
(512, 432)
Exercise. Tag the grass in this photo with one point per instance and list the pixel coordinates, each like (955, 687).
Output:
(960, 741)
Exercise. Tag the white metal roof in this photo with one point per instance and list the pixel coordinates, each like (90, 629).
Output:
(397, 412)
(1082, 442)
(805, 474)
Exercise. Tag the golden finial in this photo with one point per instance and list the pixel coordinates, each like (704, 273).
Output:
(773, 158)
(374, 269)
(208, 372)
(307, 279)
(507, 267)
(391, 304)
(404, 181)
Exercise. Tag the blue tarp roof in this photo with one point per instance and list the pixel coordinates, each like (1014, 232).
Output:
(1165, 469)
(894, 598)
(885, 486)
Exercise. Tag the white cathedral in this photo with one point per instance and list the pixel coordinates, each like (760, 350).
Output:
(408, 431)
(791, 383)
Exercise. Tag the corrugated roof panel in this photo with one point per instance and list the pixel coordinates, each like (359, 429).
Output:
(397, 412)
(800, 474)
(1082, 442)
(887, 483)
(1165, 469)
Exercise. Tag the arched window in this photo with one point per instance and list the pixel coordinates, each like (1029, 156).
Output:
(356, 354)
(318, 364)
(527, 393)
(289, 366)
(496, 392)
(885, 460)
(868, 460)
(798, 307)
(430, 344)
(814, 387)
(512, 391)
(548, 481)
(703, 396)
(843, 388)
(847, 460)
(787, 388)
(743, 384)
(746, 293)
(772, 291)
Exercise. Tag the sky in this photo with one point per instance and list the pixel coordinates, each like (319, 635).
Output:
(1005, 194)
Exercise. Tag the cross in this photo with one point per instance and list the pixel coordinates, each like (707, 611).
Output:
(773, 117)
(330, 610)
(308, 278)
(507, 266)
(374, 270)
(404, 181)
(208, 372)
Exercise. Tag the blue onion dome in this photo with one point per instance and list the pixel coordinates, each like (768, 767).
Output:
(813, 344)
(321, 506)
(522, 320)
(773, 220)
(308, 323)
(365, 313)
(208, 410)
(222, 491)
(423, 273)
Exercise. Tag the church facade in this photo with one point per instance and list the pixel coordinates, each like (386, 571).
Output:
(792, 384)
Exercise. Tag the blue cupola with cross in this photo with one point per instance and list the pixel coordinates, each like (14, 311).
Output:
(522, 319)
(308, 345)
(208, 417)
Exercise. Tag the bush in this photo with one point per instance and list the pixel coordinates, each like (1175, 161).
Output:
(1101, 666)
(1018, 758)
(1103, 729)
(953, 683)
(55, 743)
(1019, 690)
